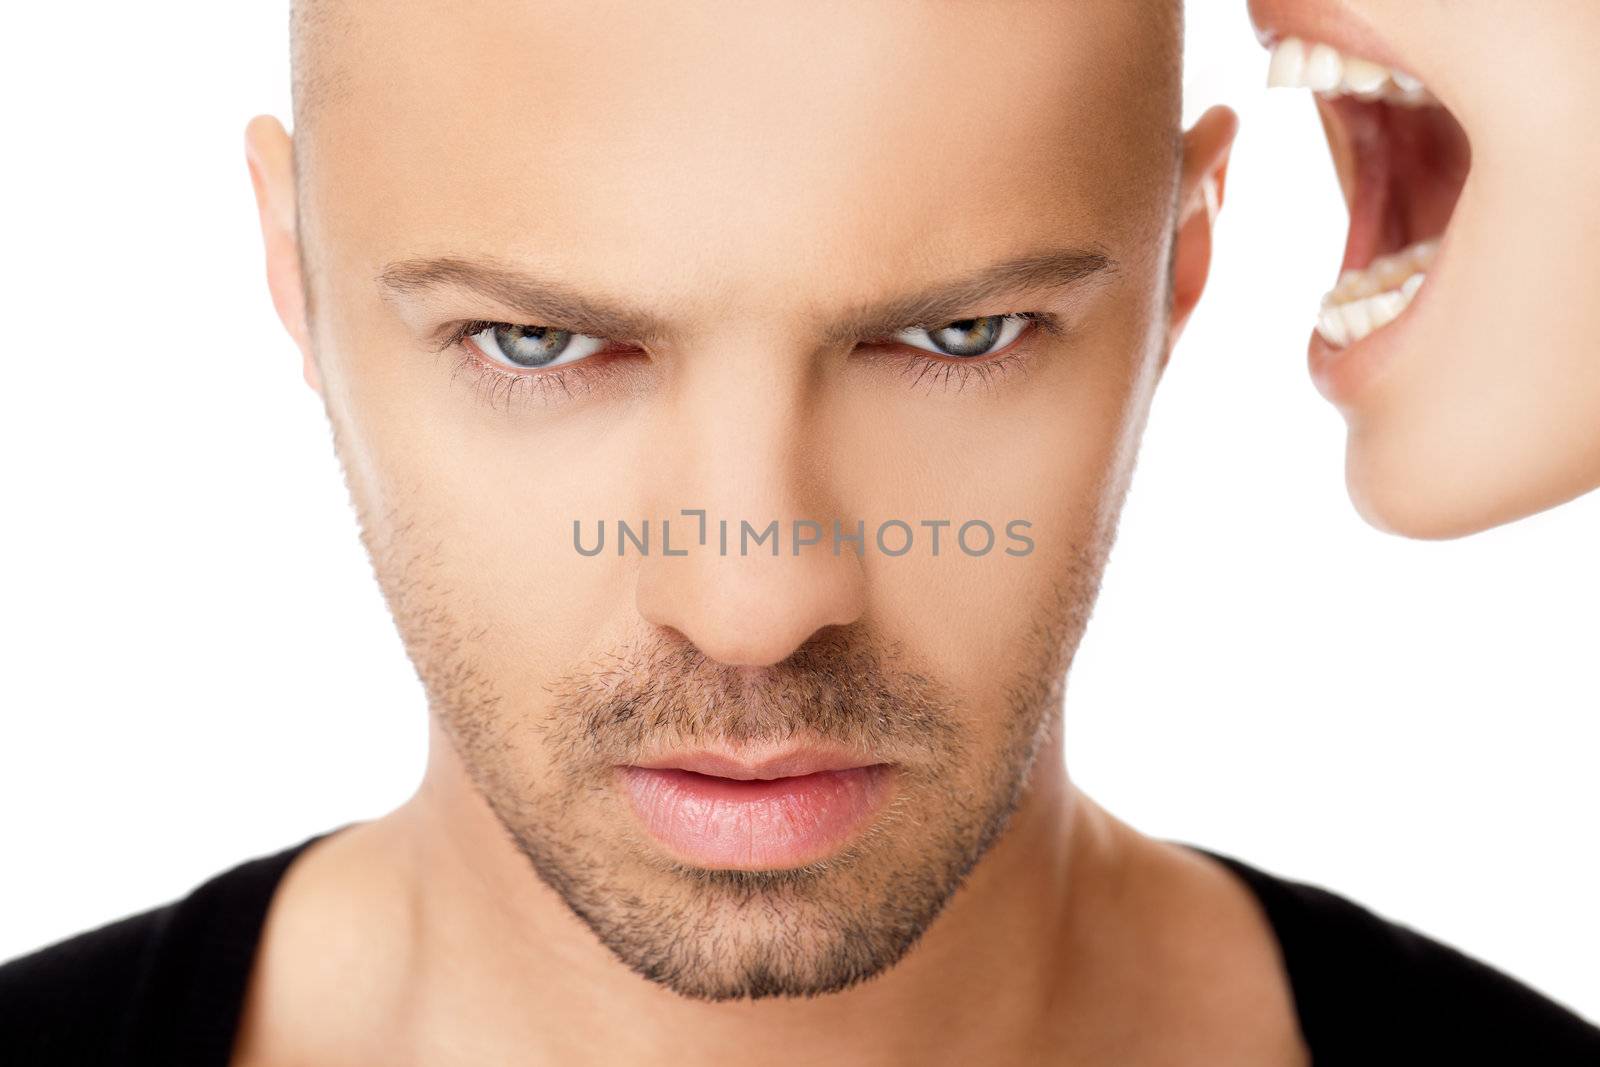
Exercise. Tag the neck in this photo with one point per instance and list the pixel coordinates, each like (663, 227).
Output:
(492, 944)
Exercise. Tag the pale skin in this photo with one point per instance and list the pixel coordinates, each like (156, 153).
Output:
(743, 173)
(1482, 404)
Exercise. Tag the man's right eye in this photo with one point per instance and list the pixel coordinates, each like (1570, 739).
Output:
(532, 347)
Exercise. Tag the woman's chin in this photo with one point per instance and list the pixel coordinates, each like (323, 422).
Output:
(1435, 487)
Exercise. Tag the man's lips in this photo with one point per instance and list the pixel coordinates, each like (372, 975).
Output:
(779, 810)
(789, 763)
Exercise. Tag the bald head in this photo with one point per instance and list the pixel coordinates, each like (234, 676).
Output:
(317, 26)
(851, 99)
(315, 60)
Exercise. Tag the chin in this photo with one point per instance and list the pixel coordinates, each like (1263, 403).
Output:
(1415, 485)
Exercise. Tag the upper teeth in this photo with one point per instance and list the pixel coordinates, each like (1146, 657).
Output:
(1298, 64)
(1369, 299)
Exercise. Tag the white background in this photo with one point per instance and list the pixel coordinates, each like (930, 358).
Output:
(199, 669)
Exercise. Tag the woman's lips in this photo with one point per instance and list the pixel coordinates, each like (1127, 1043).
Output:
(1333, 21)
(751, 822)
(1343, 375)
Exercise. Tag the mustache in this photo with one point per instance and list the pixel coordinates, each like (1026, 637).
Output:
(841, 687)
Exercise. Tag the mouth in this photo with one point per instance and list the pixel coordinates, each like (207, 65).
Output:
(715, 811)
(1402, 159)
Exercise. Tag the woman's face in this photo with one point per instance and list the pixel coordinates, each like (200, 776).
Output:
(1460, 341)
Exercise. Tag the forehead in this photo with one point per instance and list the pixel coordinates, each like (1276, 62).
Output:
(739, 148)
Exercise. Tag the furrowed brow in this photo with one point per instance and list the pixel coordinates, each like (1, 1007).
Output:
(546, 302)
(540, 301)
(1049, 270)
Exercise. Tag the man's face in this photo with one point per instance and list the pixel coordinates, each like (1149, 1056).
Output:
(744, 183)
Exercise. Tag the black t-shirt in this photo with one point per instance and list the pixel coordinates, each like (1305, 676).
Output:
(166, 987)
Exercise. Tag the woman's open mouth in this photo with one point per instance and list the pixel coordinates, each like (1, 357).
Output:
(1402, 160)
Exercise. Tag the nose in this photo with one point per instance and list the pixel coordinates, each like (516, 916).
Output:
(750, 611)
(748, 449)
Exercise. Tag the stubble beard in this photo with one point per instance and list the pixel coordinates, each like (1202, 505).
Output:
(728, 934)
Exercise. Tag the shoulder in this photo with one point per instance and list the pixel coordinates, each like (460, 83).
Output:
(117, 993)
(332, 977)
(1368, 989)
(71, 1002)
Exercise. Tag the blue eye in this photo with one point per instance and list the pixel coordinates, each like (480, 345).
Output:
(967, 338)
(534, 347)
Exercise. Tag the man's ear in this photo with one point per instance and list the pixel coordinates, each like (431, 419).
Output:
(270, 152)
(1205, 170)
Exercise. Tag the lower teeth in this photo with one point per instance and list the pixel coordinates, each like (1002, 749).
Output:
(1369, 299)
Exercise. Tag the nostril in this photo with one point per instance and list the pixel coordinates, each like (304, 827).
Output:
(751, 612)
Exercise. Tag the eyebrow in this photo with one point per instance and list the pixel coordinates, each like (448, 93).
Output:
(545, 301)
(949, 301)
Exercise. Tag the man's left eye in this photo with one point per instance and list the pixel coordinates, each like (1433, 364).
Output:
(966, 338)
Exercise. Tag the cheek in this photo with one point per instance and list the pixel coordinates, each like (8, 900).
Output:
(1493, 410)
(469, 516)
(1049, 448)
